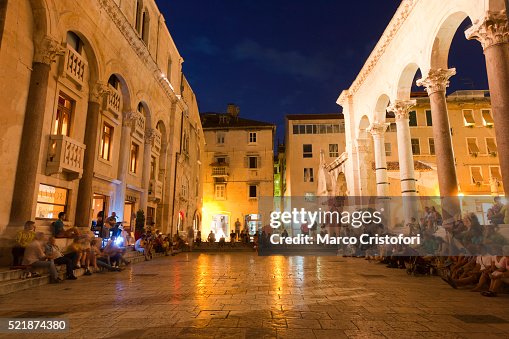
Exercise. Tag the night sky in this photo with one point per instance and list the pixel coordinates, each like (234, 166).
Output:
(278, 57)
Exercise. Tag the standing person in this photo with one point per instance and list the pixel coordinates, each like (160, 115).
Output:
(23, 238)
(237, 229)
(190, 238)
(198, 238)
(34, 257)
(60, 232)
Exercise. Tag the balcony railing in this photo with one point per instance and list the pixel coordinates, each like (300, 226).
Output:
(113, 101)
(155, 190)
(75, 66)
(65, 155)
(220, 171)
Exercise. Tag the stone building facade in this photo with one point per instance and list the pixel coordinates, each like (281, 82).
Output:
(97, 116)
(238, 170)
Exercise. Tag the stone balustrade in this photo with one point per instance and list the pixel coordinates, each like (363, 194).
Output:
(155, 190)
(65, 155)
(112, 102)
(75, 66)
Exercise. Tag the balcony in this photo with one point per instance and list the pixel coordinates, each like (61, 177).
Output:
(220, 170)
(74, 67)
(112, 102)
(155, 190)
(65, 155)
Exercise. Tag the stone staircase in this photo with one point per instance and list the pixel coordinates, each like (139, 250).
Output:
(11, 280)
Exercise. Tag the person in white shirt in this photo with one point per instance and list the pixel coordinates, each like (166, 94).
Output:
(35, 257)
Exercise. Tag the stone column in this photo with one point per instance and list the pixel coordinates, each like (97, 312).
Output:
(401, 109)
(25, 189)
(493, 33)
(147, 159)
(436, 83)
(377, 130)
(128, 119)
(85, 192)
(364, 165)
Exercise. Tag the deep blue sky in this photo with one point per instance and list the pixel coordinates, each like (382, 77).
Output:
(278, 57)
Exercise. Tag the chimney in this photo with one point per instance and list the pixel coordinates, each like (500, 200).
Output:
(233, 110)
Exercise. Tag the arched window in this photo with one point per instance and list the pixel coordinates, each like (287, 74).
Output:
(141, 109)
(168, 70)
(74, 41)
(139, 10)
(114, 82)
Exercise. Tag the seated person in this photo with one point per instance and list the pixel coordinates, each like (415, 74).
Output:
(141, 245)
(115, 252)
(60, 232)
(211, 238)
(499, 276)
(53, 252)
(23, 238)
(34, 257)
(75, 250)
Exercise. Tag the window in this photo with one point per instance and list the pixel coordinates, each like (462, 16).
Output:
(431, 143)
(224, 119)
(307, 151)
(488, 119)
(252, 162)
(106, 139)
(473, 149)
(133, 160)
(333, 150)
(253, 191)
(295, 129)
(491, 146)
(74, 41)
(65, 108)
(388, 149)
(392, 127)
(252, 137)
(168, 69)
(221, 160)
(476, 175)
(220, 138)
(495, 173)
(413, 118)
(153, 168)
(429, 118)
(145, 29)
(139, 7)
(184, 188)
(468, 117)
(309, 197)
(220, 191)
(416, 147)
(50, 201)
(308, 175)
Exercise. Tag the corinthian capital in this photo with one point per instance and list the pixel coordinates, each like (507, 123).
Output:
(150, 135)
(401, 108)
(437, 80)
(377, 129)
(47, 50)
(129, 117)
(491, 30)
(98, 91)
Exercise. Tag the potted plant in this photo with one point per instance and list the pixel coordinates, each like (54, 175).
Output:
(140, 224)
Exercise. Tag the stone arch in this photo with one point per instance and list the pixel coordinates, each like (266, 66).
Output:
(123, 89)
(443, 39)
(406, 81)
(364, 123)
(143, 108)
(45, 23)
(381, 108)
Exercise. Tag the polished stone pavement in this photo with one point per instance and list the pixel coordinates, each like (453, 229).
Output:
(241, 295)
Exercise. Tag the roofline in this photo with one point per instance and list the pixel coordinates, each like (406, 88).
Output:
(315, 116)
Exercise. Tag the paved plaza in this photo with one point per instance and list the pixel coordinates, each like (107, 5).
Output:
(241, 295)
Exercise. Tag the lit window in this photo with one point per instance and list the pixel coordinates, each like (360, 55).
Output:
(133, 161)
(253, 162)
(220, 138)
(416, 147)
(473, 149)
(106, 138)
(491, 145)
(488, 119)
(468, 117)
(253, 191)
(50, 201)
(495, 173)
(308, 175)
(429, 118)
(388, 149)
(431, 142)
(307, 151)
(413, 118)
(220, 191)
(333, 150)
(476, 175)
(252, 137)
(62, 125)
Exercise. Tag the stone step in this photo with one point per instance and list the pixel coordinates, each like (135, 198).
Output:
(8, 274)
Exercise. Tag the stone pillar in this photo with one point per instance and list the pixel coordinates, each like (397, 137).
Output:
(493, 34)
(364, 165)
(25, 189)
(436, 83)
(377, 130)
(85, 192)
(128, 120)
(401, 109)
(147, 159)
